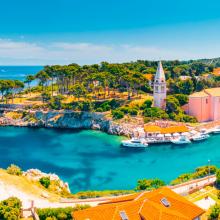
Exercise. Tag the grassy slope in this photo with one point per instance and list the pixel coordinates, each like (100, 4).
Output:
(22, 184)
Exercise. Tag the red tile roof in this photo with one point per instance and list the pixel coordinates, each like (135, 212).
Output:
(143, 206)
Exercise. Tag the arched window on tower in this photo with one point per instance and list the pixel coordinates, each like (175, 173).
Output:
(162, 89)
(156, 88)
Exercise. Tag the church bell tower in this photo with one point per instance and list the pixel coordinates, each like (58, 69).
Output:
(160, 91)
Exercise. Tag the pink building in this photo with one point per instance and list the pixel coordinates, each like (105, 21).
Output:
(205, 105)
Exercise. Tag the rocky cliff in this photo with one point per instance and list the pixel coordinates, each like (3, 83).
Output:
(65, 119)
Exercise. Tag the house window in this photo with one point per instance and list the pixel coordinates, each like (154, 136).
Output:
(206, 101)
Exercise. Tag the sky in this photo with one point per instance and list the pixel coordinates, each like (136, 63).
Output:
(47, 32)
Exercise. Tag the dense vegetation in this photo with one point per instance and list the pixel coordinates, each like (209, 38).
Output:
(97, 194)
(59, 213)
(198, 173)
(10, 209)
(112, 87)
(148, 184)
(215, 212)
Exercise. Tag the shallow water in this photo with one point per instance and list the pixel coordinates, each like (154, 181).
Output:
(92, 160)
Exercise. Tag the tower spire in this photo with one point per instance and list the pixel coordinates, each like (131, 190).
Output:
(160, 87)
(160, 76)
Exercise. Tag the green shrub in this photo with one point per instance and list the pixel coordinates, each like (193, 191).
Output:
(218, 177)
(204, 171)
(124, 109)
(56, 102)
(10, 209)
(182, 98)
(215, 211)
(188, 118)
(51, 218)
(182, 178)
(97, 194)
(59, 213)
(146, 104)
(14, 170)
(105, 106)
(133, 111)
(155, 112)
(99, 110)
(198, 173)
(218, 194)
(117, 114)
(87, 106)
(62, 216)
(45, 96)
(149, 184)
(45, 181)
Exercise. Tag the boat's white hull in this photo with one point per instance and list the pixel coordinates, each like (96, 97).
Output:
(125, 144)
(201, 138)
(180, 142)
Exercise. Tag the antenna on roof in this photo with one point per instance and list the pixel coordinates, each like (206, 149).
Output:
(123, 215)
(165, 202)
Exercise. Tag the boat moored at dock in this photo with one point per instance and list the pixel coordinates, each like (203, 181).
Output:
(181, 140)
(135, 143)
(200, 137)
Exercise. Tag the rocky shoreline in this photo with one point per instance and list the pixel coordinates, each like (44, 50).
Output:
(65, 119)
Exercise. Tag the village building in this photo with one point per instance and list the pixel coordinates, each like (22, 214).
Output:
(159, 204)
(184, 78)
(205, 105)
(160, 88)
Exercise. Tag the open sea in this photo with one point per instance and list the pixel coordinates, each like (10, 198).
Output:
(92, 160)
(18, 72)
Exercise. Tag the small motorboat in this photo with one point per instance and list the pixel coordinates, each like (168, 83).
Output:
(181, 140)
(200, 137)
(216, 130)
(134, 142)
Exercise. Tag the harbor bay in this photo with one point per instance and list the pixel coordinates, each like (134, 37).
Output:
(93, 160)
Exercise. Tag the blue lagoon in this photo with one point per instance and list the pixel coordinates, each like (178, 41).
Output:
(92, 160)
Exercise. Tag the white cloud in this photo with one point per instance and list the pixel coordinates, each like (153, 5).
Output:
(26, 53)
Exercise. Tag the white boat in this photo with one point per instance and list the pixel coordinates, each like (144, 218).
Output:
(181, 140)
(135, 142)
(200, 137)
(216, 130)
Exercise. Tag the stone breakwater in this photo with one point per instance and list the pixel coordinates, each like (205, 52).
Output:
(65, 119)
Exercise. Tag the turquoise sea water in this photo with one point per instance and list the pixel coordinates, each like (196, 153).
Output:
(18, 72)
(92, 160)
